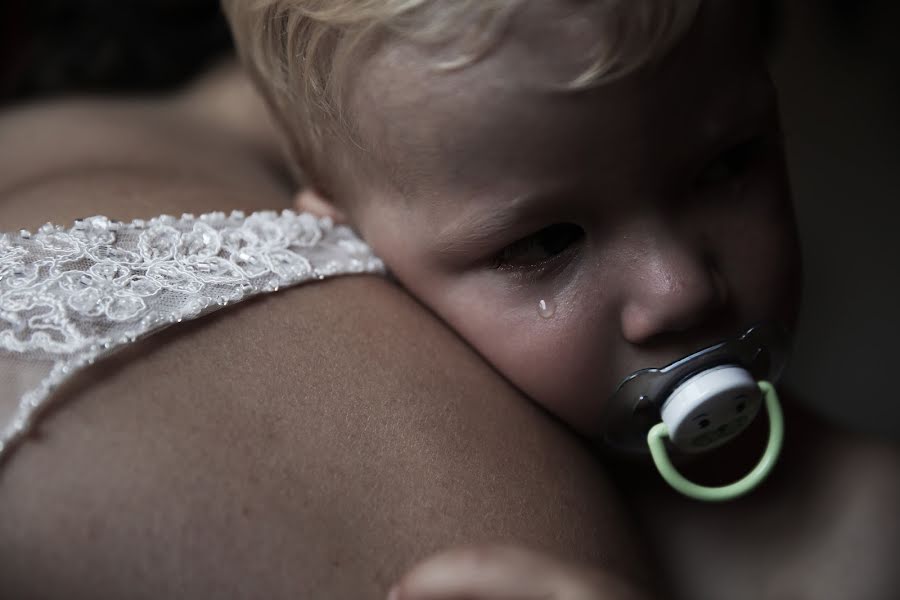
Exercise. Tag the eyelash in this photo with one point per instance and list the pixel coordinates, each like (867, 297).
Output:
(560, 237)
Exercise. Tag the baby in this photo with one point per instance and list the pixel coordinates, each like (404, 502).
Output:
(580, 189)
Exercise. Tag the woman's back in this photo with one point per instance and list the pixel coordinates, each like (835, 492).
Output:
(310, 443)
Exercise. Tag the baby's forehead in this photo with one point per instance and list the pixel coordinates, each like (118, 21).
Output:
(546, 44)
(550, 46)
(408, 103)
(514, 104)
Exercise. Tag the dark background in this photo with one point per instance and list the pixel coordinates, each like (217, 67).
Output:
(837, 65)
(110, 46)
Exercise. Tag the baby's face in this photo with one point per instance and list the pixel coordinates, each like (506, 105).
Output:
(574, 237)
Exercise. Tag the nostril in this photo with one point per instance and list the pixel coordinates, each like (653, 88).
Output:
(704, 423)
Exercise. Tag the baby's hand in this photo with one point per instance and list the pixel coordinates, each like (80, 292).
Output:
(507, 573)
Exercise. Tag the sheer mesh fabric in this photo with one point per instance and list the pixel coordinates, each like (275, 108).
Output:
(71, 296)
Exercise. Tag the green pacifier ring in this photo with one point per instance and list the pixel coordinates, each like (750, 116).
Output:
(658, 434)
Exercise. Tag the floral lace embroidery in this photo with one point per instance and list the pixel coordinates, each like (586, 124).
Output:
(71, 296)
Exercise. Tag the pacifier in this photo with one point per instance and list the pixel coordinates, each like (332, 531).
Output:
(700, 402)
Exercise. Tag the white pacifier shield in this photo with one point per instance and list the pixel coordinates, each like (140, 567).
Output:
(711, 407)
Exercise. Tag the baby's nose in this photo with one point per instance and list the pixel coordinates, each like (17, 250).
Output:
(673, 289)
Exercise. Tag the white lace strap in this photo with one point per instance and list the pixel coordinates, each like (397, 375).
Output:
(71, 296)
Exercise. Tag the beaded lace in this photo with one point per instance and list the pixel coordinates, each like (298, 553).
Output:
(71, 296)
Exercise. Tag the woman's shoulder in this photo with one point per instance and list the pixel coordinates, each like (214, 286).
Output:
(316, 441)
(73, 296)
(127, 159)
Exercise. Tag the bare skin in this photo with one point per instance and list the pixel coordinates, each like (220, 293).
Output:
(310, 444)
(388, 451)
(824, 526)
(656, 212)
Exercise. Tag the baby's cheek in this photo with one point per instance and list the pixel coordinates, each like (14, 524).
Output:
(763, 268)
(555, 361)
(561, 354)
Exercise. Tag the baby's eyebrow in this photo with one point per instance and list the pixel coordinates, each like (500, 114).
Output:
(479, 229)
(473, 231)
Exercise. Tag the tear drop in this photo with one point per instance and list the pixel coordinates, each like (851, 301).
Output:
(546, 308)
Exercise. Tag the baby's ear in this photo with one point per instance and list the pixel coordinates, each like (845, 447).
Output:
(309, 200)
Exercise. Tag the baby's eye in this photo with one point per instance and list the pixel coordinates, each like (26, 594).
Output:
(539, 247)
(731, 163)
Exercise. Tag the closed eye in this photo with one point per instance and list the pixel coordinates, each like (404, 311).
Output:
(540, 247)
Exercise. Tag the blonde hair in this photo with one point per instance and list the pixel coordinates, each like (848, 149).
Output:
(299, 51)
